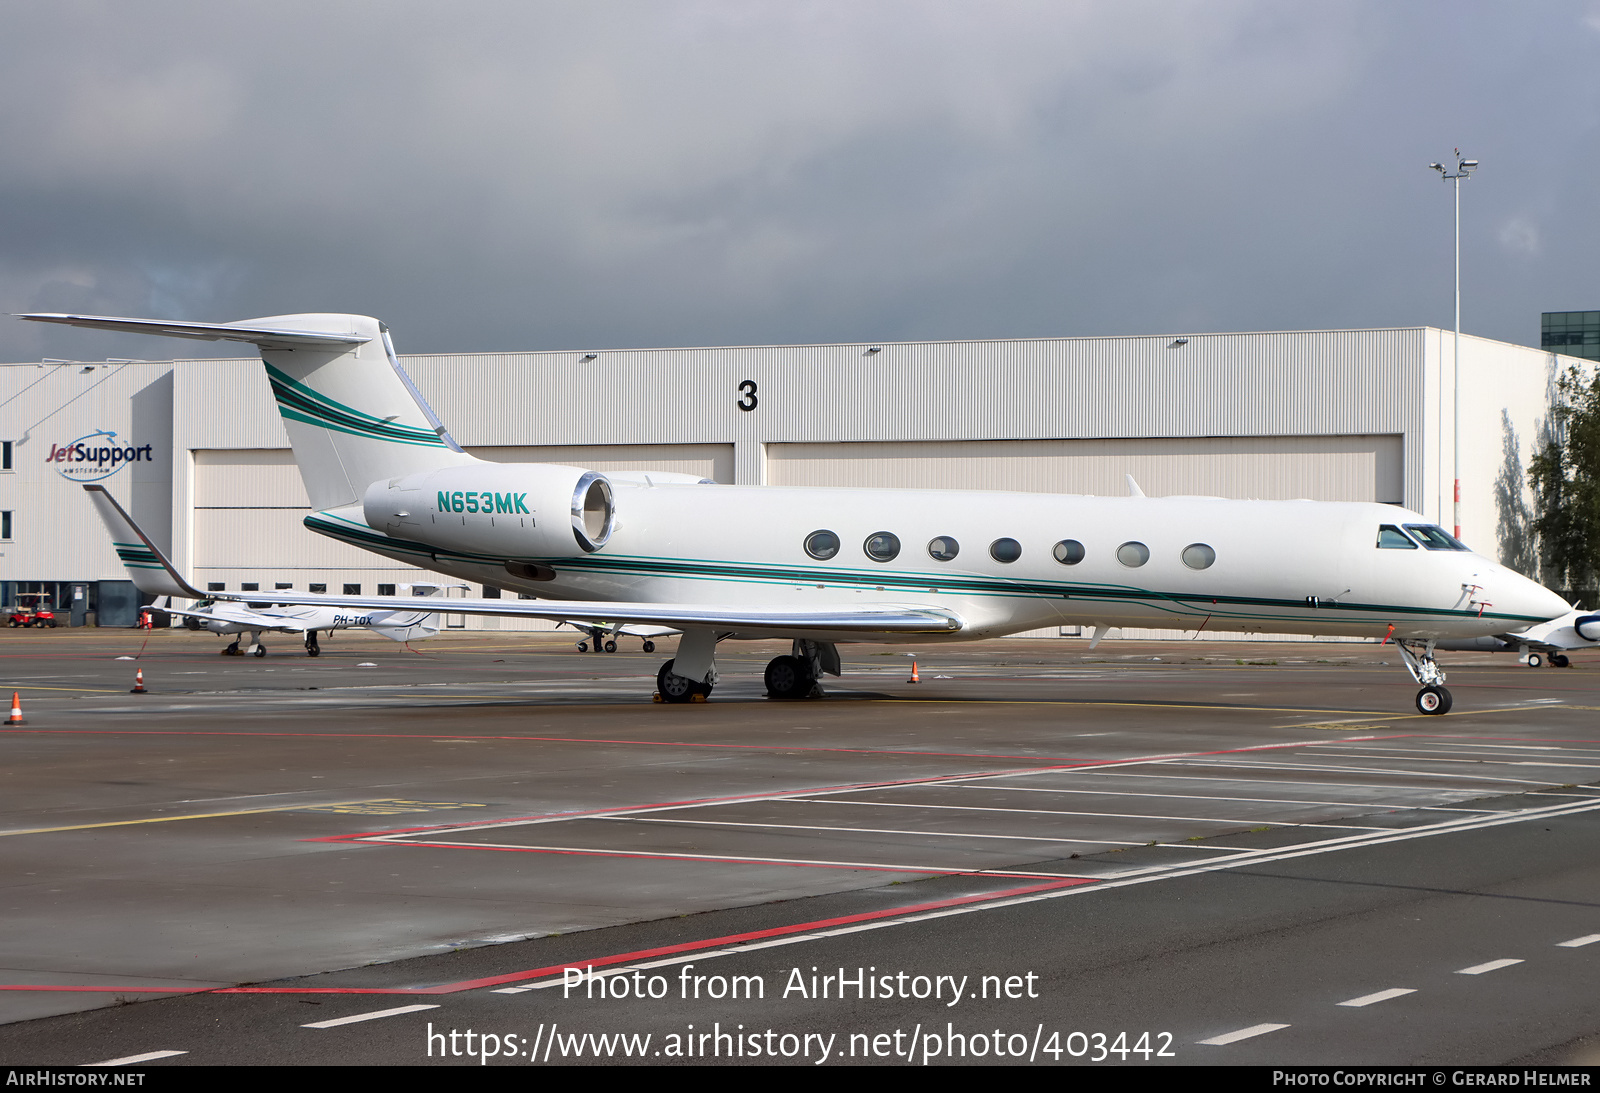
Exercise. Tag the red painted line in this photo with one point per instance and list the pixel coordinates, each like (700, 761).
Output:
(666, 950)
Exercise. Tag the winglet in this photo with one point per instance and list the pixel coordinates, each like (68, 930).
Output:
(1133, 487)
(149, 568)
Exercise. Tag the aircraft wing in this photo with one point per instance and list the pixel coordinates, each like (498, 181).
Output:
(779, 620)
(252, 619)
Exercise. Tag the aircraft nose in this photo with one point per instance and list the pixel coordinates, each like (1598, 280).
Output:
(1515, 594)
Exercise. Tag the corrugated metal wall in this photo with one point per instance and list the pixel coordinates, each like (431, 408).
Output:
(1322, 468)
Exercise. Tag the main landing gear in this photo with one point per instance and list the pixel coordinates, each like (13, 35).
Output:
(255, 648)
(675, 688)
(796, 675)
(1432, 698)
(312, 648)
(689, 676)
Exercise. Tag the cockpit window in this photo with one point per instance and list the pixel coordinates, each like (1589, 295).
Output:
(1392, 538)
(1435, 538)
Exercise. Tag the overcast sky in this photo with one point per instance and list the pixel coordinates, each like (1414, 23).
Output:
(509, 174)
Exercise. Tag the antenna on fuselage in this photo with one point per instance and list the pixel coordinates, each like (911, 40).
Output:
(1133, 487)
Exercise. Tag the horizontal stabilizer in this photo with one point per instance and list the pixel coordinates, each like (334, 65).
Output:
(225, 332)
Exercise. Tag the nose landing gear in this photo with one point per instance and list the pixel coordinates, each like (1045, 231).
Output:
(1432, 698)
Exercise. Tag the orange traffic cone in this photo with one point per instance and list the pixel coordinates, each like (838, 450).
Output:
(915, 678)
(16, 709)
(138, 683)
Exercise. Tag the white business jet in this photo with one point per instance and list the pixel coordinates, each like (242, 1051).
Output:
(152, 573)
(822, 566)
(1553, 640)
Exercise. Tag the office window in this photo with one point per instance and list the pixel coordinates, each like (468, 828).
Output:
(5, 525)
(318, 587)
(386, 590)
(352, 590)
(216, 586)
(490, 592)
(5, 455)
(251, 587)
(283, 584)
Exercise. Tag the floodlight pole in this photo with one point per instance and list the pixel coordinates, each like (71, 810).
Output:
(1464, 169)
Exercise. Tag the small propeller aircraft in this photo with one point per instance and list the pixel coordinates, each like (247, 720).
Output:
(824, 566)
(604, 638)
(152, 573)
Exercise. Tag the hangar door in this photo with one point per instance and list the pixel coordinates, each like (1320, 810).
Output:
(1321, 468)
(248, 504)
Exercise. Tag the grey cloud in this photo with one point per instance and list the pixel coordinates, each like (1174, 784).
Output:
(498, 175)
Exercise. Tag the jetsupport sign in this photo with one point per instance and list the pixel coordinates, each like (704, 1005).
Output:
(96, 456)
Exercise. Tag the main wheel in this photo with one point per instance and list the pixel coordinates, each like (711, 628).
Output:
(1535, 660)
(649, 646)
(789, 677)
(583, 647)
(1560, 660)
(313, 650)
(676, 688)
(1433, 700)
(611, 647)
(261, 650)
(232, 650)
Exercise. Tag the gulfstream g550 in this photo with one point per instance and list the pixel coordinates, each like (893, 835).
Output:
(821, 566)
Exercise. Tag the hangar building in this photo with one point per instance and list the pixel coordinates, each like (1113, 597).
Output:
(1358, 415)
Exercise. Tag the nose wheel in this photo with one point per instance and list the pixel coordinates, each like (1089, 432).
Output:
(1433, 700)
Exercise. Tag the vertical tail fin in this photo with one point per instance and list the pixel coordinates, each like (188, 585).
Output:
(352, 414)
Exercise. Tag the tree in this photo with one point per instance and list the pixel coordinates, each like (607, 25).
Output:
(1565, 476)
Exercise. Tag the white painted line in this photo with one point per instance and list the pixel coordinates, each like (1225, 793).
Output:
(897, 831)
(1491, 966)
(1216, 797)
(1380, 996)
(1578, 942)
(373, 1016)
(1141, 876)
(128, 1060)
(1242, 1034)
(1060, 812)
(602, 851)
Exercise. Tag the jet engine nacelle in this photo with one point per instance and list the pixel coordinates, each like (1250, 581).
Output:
(1588, 627)
(504, 510)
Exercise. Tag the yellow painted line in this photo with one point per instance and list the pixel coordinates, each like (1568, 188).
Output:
(37, 687)
(1148, 706)
(172, 819)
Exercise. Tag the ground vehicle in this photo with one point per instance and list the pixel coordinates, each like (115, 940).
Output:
(32, 609)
